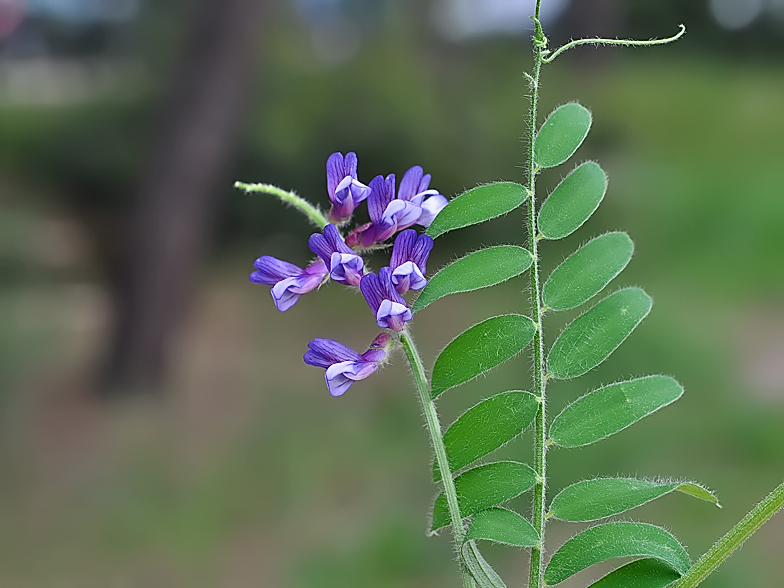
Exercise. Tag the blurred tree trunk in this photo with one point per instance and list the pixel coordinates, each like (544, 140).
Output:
(196, 134)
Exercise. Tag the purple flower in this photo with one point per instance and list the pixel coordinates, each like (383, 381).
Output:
(414, 189)
(288, 281)
(343, 365)
(387, 213)
(409, 257)
(345, 266)
(385, 302)
(414, 204)
(345, 191)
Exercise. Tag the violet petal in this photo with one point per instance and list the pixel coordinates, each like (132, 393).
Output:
(324, 352)
(335, 241)
(350, 165)
(400, 214)
(408, 277)
(346, 268)
(393, 315)
(320, 246)
(430, 208)
(381, 194)
(403, 248)
(272, 270)
(409, 185)
(334, 173)
(372, 290)
(421, 251)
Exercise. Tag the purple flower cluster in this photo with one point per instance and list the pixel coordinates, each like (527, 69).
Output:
(340, 260)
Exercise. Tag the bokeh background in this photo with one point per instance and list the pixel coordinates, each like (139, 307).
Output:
(157, 425)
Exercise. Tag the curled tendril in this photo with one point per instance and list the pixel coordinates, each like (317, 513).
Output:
(549, 57)
(540, 41)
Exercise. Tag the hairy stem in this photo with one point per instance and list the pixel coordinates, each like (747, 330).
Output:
(437, 439)
(734, 538)
(314, 214)
(540, 434)
(624, 42)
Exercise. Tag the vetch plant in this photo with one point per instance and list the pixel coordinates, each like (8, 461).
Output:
(471, 495)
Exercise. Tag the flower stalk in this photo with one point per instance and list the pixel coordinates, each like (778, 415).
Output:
(314, 214)
(437, 440)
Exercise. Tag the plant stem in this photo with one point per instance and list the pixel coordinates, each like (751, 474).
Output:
(540, 434)
(314, 214)
(734, 538)
(437, 439)
(625, 42)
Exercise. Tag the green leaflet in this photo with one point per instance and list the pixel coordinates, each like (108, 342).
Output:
(612, 408)
(502, 526)
(483, 268)
(484, 575)
(478, 205)
(573, 201)
(642, 573)
(594, 335)
(603, 497)
(483, 487)
(611, 540)
(487, 426)
(480, 348)
(561, 134)
(587, 271)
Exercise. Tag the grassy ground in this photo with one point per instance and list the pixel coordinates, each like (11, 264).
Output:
(246, 472)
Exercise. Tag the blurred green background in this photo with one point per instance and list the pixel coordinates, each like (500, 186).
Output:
(238, 469)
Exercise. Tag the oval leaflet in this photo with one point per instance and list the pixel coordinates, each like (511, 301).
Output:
(594, 335)
(561, 134)
(478, 205)
(480, 269)
(573, 201)
(587, 271)
(479, 349)
(612, 408)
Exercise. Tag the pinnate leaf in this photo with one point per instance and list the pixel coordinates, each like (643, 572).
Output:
(479, 349)
(594, 335)
(612, 408)
(603, 497)
(641, 573)
(484, 575)
(487, 426)
(573, 201)
(480, 269)
(561, 134)
(502, 526)
(478, 205)
(611, 540)
(587, 271)
(483, 487)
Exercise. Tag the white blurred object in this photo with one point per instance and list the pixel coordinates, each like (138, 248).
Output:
(462, 19)
(736, 14)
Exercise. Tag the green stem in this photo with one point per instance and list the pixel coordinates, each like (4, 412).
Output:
(734, 538)
(437, 439)
(540, 382)
(625, 42)
(314, 214)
